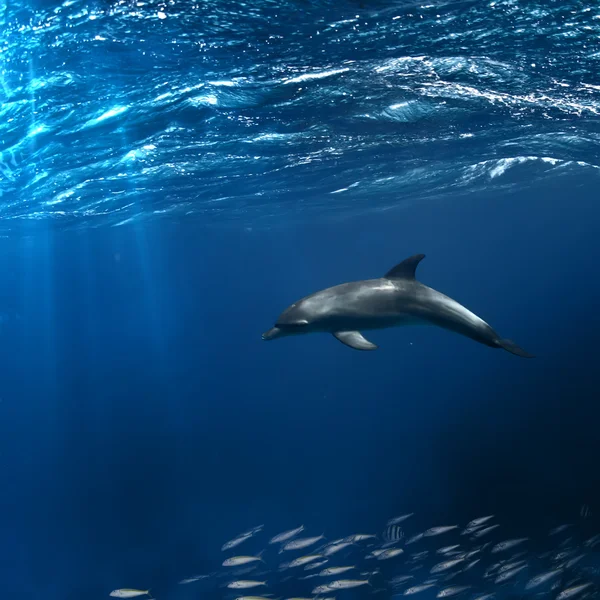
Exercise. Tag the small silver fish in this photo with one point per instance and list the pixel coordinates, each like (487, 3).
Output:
(359, 537)
(243, 584)
(316, 565)
(563, 555)
(304, 560)
(447, 549)
(241, 538)
(375, 553)
(509, 574)
(390, 553)
(559, 529)
(439, 530)
(322, 589)
(189, 580)
(252, 598)
(481, 532)
(508, 566)
(370, 574)
(235, 561)
(254, 530)
(129, 593)
(236, 541)
(447, 564)
(542, 578)
(302, 543)
(574, 560)
(414, 538)
(334, 571)
(286, 535)
(344, 584)
(452, 591)
(506, 545)
(565, 542)
(518, 555)
(398, 520)
(400, 579)
(572, 591)
(471, 530)
(417, 588)
(479, 521)
(471, 564)
(335, 547)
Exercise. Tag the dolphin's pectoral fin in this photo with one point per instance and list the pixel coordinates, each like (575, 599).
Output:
(354, 339)
(406, 269)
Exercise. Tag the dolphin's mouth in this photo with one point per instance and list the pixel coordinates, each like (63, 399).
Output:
(272, 333)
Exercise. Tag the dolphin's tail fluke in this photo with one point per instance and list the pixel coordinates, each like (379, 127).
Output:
(511, 347)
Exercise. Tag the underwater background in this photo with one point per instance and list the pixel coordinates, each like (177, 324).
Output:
(173, 175)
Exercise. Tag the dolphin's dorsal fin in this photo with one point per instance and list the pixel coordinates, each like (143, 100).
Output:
(406, 269)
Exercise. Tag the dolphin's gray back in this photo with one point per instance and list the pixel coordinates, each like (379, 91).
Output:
(393, 300)
(374, 302)
(438, 309)
(379, 303)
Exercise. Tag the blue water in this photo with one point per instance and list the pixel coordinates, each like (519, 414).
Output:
(173, 175)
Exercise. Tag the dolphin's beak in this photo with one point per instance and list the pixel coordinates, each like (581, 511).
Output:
(272, 333)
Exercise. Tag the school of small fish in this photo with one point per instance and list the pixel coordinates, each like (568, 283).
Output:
(473, 562)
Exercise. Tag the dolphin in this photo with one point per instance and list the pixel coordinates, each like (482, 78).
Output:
(393, 300)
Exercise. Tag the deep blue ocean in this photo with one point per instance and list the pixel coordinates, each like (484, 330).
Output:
(174, 174)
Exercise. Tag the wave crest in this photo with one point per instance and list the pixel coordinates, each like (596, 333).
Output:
(118, 111)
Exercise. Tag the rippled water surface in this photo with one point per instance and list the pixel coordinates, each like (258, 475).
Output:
(258, 111)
